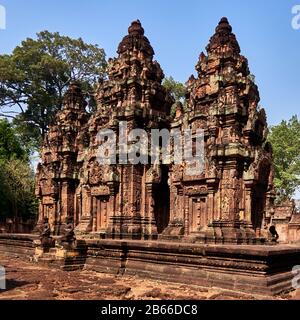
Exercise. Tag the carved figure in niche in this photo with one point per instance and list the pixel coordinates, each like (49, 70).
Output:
(234, 175)
(132, 96)
(138, 201)
(212, 169)
(221, 100)
(231, 98)
(233, 134)
(225, 206)
(145, 72)
(95, 173)
(212, 121)
(252, 114)
(134, 71)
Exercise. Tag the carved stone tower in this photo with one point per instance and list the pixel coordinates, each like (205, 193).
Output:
(57, 172)
(120, 200)
(231, 201)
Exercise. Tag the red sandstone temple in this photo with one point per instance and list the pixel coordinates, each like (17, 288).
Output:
(230, 202)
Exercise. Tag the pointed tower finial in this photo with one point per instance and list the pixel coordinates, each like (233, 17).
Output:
(136, 28)
(224, 26)
(136, 40)
(223, 39)
(73, 97)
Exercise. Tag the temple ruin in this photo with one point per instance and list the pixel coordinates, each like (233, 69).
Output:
(212, 228)
(231, 201)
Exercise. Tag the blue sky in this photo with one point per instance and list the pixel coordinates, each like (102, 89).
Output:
(178, 31)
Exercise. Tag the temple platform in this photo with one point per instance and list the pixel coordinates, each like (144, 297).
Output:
(263, 270)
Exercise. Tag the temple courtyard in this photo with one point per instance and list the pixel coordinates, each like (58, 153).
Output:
(27, 280)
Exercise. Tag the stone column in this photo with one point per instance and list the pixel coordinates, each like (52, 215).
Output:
(150, 215)
(94, 213)
(250, 232)
(186, 215)
(85, 224)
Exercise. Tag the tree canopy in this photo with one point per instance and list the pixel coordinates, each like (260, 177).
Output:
(10, 145)
(16, 176)
(285, 139)
(177, 89)
(34, 78)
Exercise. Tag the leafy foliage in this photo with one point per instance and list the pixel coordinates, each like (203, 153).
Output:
(10, 146)
(17, 185)
(34, 78)
(285, 139)
(177, 89)
(16, 176)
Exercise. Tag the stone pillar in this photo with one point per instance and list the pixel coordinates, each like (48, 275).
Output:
(186, 215)
(85, 224)
(94, 213)
(151, 231)
(250, 232)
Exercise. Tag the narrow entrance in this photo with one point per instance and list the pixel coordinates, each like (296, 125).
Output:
(162, 201)
(259, 196)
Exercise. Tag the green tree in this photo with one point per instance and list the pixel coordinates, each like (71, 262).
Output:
(16, 176)
(285, 139)
(177, 89)
(10, 146)
(34, 78)
(17, 185)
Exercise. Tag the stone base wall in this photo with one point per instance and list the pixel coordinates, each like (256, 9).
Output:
(17, 245)
(264, 270)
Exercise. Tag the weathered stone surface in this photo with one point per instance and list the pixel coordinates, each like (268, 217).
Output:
(262, 270)
(265, 270)
(104, 217)
(230, 202)
(107, 200)
(28, 281)
(18, 245)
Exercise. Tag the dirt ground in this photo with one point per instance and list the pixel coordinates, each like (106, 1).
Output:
(29, 281)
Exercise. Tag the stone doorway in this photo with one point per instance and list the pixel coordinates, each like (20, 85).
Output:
(100, 214)
(258, 204)
(161, 197)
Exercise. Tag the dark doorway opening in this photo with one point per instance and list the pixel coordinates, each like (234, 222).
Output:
(162, 201)
(259, 196)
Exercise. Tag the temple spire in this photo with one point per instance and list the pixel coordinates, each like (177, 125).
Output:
(224, 26)
(73, 97)
(223, 40)
(136, 40)
(136, 28)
